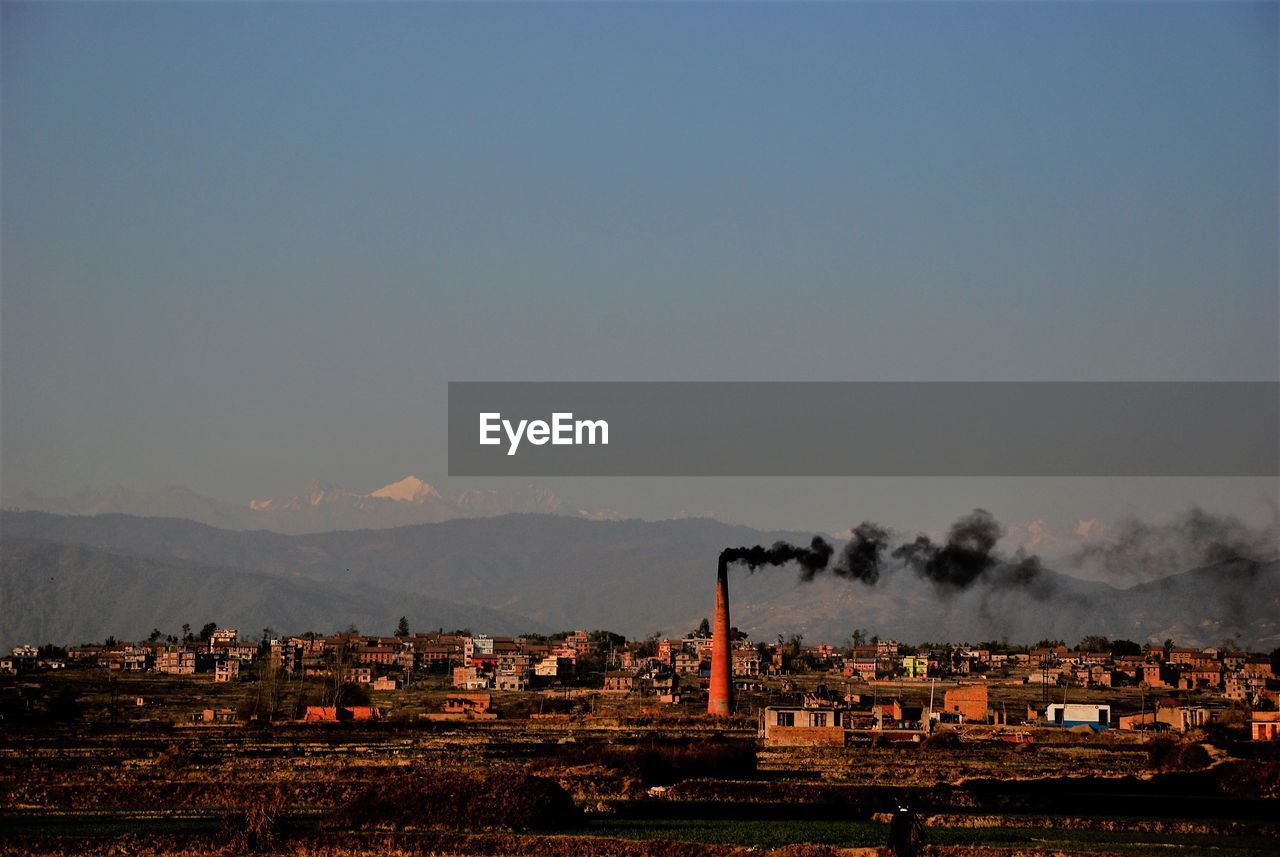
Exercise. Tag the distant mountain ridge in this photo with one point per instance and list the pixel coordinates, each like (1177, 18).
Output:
(319, 507)
(74, 593)
(636, 577)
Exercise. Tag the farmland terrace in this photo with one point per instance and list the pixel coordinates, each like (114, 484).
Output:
(637, 785)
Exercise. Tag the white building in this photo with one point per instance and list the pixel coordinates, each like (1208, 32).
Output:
(1078, 714)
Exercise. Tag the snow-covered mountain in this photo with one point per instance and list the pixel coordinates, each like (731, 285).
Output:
(319, 507)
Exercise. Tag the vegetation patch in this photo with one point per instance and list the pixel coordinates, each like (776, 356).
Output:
(1168, 754)
(460, 799)
(659, 760)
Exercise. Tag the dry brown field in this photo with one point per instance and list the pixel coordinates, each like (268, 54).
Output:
(120, 778)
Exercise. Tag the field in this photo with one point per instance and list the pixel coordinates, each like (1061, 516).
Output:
(117, 777)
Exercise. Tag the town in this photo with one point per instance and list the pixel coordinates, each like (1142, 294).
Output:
(797, 694)
(218, 741)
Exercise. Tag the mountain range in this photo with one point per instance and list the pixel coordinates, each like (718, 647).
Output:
(558, 572)
(319, 507)
(75, 593)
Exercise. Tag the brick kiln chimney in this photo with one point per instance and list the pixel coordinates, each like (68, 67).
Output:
(720, 699)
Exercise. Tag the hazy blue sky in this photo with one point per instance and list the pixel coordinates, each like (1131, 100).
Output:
(247, 245)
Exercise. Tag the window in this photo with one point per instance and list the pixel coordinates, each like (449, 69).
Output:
(786, 718)
(1102, 716)
(820, 719)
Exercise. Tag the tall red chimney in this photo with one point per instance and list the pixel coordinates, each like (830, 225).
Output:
(720, 699)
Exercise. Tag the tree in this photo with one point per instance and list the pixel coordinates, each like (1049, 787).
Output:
(648, 647)
(1094, 643)
(264, 645)
(606, 639)
(186, 632)
(859, 637)
(1120, 648)
(339, 658)
(1275, 661)
(402, 629)
(154, 635)
(207, 631)
(703, 629)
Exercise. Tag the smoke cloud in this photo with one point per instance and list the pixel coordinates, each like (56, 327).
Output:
(863, 553)
(811, 559)
(968, 556)
(1138, 550)
(962, 559)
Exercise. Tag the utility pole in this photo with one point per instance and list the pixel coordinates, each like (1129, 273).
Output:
(929, 720)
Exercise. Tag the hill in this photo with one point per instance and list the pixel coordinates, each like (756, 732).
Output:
(637, 577)
(73, 593)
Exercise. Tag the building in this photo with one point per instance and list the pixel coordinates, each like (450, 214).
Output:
(619, 682)
(1194, 658)
(1265, 726)
(511, 679)
(967, 702)
(915, 666)
(341, 714)
(1182, 718)
(1153, 675)
(176, 662)
(25, 657)
(466, 678)
(1235, 688)
(1078, 714)
(746, 661)
(687, 663)
(467, 703)
(887, 649)
(1198, 677)
(222, 638)
(215, 715)
(550, 667)
(226, 671)
(802, 727)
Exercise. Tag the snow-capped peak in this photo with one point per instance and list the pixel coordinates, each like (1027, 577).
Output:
(410, 489)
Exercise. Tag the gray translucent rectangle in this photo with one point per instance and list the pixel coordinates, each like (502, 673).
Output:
(878, 429)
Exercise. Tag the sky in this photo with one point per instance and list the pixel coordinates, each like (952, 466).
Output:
(247, 245)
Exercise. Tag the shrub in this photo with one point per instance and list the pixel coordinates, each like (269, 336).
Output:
(1170, 754)
(256, 829)
(1249, 778)
(661, 761)
(172, 756)
(943, 739)
(460, 799)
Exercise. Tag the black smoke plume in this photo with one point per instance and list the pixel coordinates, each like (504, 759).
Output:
(811, 559)
(863, 554)
(963, 558)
